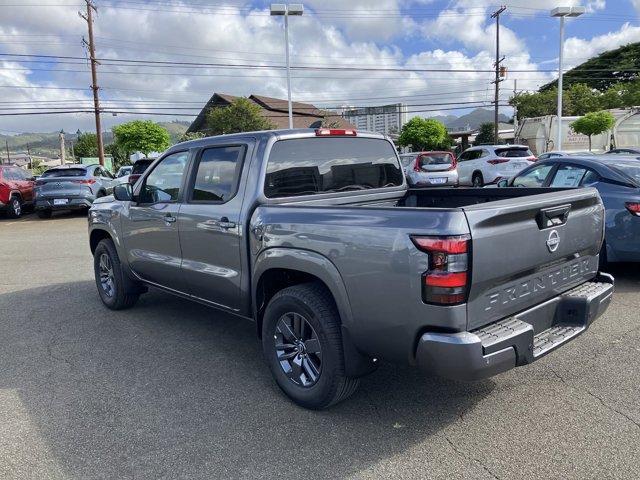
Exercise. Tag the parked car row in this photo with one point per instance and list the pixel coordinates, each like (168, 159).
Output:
(67, 187)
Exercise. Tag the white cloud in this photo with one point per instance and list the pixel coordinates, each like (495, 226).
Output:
(579, 50)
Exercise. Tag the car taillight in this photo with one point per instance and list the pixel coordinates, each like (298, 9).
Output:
(89, 181)
(454, 163)
(326, 132)
(447, 280)
(633, 207)
(416, 166)
(497, 161)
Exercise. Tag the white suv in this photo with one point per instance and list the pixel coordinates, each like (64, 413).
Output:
(485, 164)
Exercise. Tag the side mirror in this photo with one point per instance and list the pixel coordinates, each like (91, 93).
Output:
(123, 192)
(503, 183)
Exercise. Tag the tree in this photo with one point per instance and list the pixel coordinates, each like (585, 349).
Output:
(424, 134)
(141, 136)
(191, 136)
(486, 135)
(594, 123)
(242, 115)
(119, 155)
(86, 145)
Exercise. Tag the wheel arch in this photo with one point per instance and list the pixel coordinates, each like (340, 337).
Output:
(279, 268)
(96, 236)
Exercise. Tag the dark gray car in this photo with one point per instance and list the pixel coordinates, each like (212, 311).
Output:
(315, 237)
(71, 187)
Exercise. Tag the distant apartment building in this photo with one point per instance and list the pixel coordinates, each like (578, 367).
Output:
(386, 119)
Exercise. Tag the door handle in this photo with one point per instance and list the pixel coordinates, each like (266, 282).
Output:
(225, 223)
(553, 217)
(169, 218)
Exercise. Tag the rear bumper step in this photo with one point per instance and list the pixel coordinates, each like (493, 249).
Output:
(517, 340)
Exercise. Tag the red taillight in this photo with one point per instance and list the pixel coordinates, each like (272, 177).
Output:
(497, 161)
(442, 244)
(416, 166)
(327, 132)
(88, 181)
(446, 281)
(633, 207)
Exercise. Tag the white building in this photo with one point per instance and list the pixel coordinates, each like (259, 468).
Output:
(386, 119)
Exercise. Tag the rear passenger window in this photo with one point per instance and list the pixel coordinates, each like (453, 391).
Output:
(217, 174)
(568, 176)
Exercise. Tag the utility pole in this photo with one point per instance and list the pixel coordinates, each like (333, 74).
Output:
(497, 81)
(62, 148)
(94, 76)
(29, 155)
(6, 143)
(515, 106)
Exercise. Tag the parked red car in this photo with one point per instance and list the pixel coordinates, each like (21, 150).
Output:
(16, 190)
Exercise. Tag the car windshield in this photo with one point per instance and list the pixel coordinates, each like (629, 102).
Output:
(435, 159)
(66, 172)
(629, 169)
(513, 152)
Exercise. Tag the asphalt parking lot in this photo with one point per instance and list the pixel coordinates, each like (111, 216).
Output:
(171, 389)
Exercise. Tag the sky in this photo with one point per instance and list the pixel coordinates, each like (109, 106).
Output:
(433, 55)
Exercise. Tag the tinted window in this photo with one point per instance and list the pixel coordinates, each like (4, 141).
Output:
(218, 172)
(590, 178)
(140, 166)
(12, 174)
(308, 166)
(164, 182)
(568, 176)
(513, 152)
(632, 170)
(66, 172)
(533, 178)
(435, 159)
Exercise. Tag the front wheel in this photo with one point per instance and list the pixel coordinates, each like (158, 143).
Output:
(302, 344)
(15, 207)
(116, 290)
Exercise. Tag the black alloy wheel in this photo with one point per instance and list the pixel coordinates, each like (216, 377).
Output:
(298, 349)
(107, 281)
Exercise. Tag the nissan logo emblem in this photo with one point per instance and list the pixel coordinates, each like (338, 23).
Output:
(553, 242)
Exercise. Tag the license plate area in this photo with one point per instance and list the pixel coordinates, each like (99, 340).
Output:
(438, 180)
(60, 201)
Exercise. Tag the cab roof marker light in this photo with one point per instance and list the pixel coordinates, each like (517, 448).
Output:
(327, 132)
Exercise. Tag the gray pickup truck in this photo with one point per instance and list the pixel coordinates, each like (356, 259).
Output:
(314, 235)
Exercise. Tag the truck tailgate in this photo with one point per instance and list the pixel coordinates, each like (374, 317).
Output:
(529, 249)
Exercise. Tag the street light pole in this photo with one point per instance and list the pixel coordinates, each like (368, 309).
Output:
(281, 9)
(562, 13)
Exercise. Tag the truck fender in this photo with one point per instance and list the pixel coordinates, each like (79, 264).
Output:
(321, 267)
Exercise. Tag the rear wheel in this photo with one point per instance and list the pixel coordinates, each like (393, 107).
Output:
(15, 207)
(477, 180)
(117, 291)
(45, 213)
(302, 344)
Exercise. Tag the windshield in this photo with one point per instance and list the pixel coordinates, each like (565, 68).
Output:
(514, 152)
(629, 169)
(66, 172)
(436, 159)
(307, 166)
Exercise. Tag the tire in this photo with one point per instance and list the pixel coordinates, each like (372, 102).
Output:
(14, 209)
(477, 180)
(313, 304)
(44, 213)
(116, 290)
